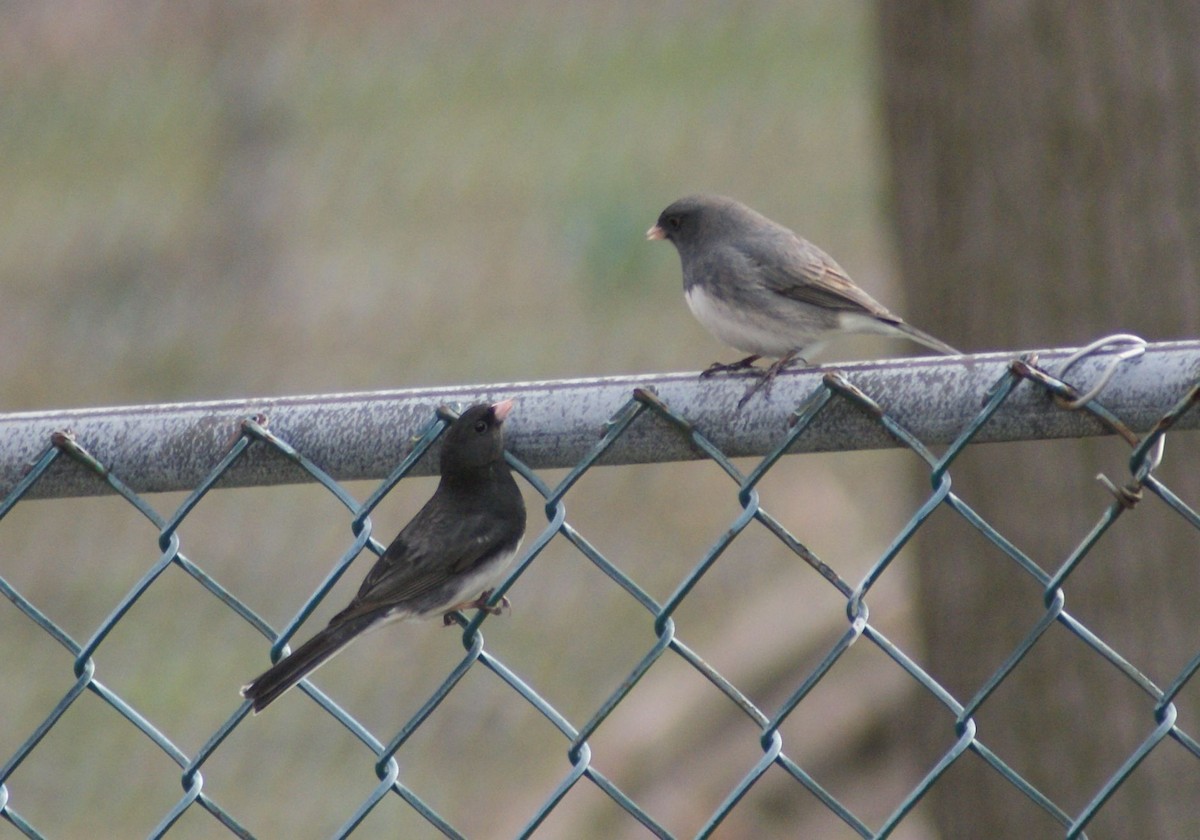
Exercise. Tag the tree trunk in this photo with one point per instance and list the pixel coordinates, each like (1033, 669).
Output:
(1046, 192)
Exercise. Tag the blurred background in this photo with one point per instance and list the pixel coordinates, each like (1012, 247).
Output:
(212, 200)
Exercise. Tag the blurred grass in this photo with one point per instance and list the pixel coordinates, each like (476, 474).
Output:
(219, 200)
(341, 189)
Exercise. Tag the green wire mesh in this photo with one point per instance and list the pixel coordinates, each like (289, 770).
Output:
(386, 749)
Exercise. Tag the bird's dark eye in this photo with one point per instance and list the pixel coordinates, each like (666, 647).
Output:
(673, 222)
(481, 426)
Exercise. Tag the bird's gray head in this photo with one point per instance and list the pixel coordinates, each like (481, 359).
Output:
(475, 439)
(698, 219)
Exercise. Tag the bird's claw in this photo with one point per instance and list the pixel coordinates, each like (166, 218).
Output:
(481, 604)
(721, 367)
(763, 384)
(768, 379)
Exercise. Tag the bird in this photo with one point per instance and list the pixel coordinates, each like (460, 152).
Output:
(456, 546)
(760, 288)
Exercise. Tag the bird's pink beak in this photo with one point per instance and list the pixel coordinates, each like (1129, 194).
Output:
(656, 232)
(500, 410)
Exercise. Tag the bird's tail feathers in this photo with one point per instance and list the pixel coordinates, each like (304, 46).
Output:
(303, 661)
(925, 338)
(885, 323)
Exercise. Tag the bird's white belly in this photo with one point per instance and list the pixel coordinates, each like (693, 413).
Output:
(763, 334)
(471, 586)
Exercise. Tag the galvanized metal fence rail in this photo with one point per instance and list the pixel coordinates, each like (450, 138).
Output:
(1121, 388)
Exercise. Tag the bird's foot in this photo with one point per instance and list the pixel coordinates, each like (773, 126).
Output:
(741, 364)
(768, 379)
(480, 603)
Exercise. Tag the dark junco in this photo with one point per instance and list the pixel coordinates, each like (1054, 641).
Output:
(453, 549)
(764, 290)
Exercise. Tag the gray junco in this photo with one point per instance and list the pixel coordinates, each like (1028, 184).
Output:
(454, 548)
(762, 289)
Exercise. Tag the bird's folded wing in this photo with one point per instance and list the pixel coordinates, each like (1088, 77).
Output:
(811, 276)
(423, 558)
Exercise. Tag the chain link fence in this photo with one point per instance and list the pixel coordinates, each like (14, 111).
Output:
(1138, 393)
